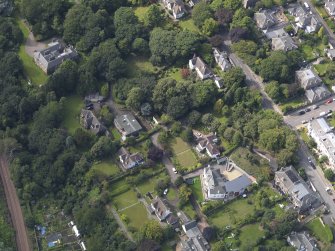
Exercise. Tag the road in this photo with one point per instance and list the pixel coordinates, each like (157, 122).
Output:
(294, 119)
(252, 79)
(328, 31)
(14, 207)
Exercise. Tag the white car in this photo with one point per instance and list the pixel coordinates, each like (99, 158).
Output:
(166, 191)
(174, 170)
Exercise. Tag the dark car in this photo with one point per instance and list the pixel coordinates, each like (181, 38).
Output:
(301, 112)
(312, 164)
(307, 109)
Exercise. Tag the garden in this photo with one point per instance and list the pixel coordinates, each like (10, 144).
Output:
(72, 108)
(184, 155)
(196, 189)
(320, 230)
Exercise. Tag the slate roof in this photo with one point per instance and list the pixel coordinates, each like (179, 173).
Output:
(307, 78)
(89, 121)
(265, 19)
(127, 124)
(221, 59)
(330, 7)
(160, 208)
(199, 64)
(130, 160)
(302, 241)
(284, 43)
(318, 93)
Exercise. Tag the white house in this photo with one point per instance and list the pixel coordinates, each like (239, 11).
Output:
(202, 70)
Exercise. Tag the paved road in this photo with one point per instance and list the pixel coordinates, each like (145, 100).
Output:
(14, 207)
(328, 31)
(294, 119)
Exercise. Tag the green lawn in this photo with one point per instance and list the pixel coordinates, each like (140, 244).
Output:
(240, 157)
(321, 232)
(141, 12)
(106, 167)
(172, 194)
(196, 189)
(307, 51)
(138, 65)
(137, 215)
(125, 199)
(189, 211)
(249, 234)
(72, 107)
(322, 68)
(231, 213)
(115, 133)
(174, 73)
(30, 69)
(178, 145)
(149, 184)
(188, 25)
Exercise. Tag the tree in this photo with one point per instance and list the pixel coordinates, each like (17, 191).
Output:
(193, 117)
(224, 16)
(147, 244)
(232, 5)
(135, 98)
(329, 174)
(184, 193)
(152, 230)
(146, 109)
(238, 33)
(103, 147)
(155, 154)
(209, 233)
(210, 26)
(274, 91)
(187, 135)
(153, 17)
(140, 46)
(216, 40)
(200, 13)
(185, 73)
(321, 32)
(177, 107)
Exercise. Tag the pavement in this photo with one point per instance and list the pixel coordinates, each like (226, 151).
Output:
(295, 120)
(14, 207)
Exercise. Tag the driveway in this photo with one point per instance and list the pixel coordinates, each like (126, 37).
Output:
(31, 45)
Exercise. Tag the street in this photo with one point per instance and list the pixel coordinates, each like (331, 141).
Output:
(294, 119)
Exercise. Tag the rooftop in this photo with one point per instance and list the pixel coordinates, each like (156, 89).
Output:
(127, 124)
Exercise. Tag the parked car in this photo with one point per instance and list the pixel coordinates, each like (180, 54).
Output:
(304, 122)
(315, 107)
(302, 112)
(166, 191)
(308, 109)
(174, 170)
(329, 101)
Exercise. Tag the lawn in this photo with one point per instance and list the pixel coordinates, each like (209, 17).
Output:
(30, 69)
(303, 134)
(141, 12)
(231, 213)
(308, 53)
(188, 25)
(249, 234)
(137, 215)
(322, 12)
(172, 194)
(320, 231)
(189, 211)
(196, 189)
(115, 133)
(323, 67)
(125, 199)
(174, 73)
(137, 65)
(106, 167)
(72, 107)
(184, 154)
(149, 185)
(241, 157)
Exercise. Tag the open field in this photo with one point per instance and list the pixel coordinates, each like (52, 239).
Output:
(149, 184)
(72, 107)
(196, 189)
(320, 231)
(174, 73)
(125, 199)
(137, 65)
(249, 234)
(241, 156)
(184, 154)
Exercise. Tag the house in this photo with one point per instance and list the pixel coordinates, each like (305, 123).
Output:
(75, 231)
(265, 19)
(290, 183)
(224, 182)
(273, 33)
(172, 220)
(284, 43)
(208, 144)
(127, 125)
(177, 7)
(302, 241)
(307, 78)
(331, 53)
(221, 58)
(90, 122)
(218, 81)
(195, 240)
(308, 23)
(83, 246)
(330, 7)
(192, 3)
(128, 160)
(50, 58)
(324, 137)
(202, 70)
(53, 239)
(160, 208)
(316, 94)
